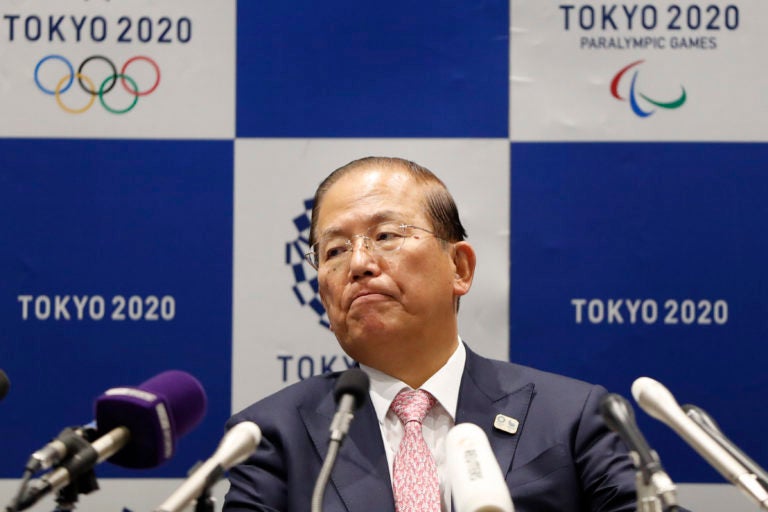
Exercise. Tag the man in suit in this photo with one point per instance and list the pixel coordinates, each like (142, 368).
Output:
(392, 263)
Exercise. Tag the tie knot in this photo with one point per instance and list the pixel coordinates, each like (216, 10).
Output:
(412, 405)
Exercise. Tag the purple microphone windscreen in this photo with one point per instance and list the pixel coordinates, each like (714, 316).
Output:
(5, 384)
(156, 413)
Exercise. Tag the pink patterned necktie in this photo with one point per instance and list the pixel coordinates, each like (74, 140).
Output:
(415, 474)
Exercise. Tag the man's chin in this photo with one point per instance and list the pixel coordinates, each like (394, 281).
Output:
(364, 342)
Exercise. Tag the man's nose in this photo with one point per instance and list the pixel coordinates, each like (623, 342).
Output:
(362, 261)
(360, 242)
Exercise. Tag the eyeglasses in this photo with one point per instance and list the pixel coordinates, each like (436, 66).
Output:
(381, 239)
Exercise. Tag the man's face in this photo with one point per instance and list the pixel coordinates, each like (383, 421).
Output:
(382, 304)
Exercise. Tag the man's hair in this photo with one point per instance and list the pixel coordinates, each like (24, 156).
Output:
(439, 204)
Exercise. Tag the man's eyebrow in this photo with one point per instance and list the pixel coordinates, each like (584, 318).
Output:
(332, 231)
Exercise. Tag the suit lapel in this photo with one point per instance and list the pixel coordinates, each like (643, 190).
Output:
(361, 473)
(485, 394)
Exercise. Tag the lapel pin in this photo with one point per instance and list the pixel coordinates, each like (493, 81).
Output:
(506, 424)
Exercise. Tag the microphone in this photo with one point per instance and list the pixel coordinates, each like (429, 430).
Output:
(142, 425)
(69, 441)
(653, 481)
(236, 445)
(156, 412)
(477, 484)
(708, 425)
(350, 393)
(77, 465)
(658, 402)
(5, 384)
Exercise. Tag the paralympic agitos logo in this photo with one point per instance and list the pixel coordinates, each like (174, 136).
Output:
(641, 104)
(97, 77)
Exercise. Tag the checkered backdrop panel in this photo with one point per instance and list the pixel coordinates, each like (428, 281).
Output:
(158, 161)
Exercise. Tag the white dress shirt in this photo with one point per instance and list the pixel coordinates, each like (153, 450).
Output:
(444, 386)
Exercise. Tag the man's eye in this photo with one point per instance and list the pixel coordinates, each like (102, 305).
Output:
(387, 235)
(332, 252)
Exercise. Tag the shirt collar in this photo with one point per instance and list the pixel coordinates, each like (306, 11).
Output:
(443, 385)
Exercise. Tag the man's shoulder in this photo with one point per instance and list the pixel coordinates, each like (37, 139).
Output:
(515, 374)
(286, 401)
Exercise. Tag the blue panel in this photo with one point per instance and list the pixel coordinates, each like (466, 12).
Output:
(112, 218)
(655, 222)
(382, 69)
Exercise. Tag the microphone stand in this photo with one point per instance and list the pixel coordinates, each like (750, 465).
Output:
(708, 425)
(649, 490)
(85, 483)
(205, 502)
(83, 479)
(656, 492)
(66, 497)
(647, 500)
(76, 439)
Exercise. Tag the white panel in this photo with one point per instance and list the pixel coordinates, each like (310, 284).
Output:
(146, 494)
(714, 498)
(563, 60)
(191, 42)
(120, 495)
(273, 178)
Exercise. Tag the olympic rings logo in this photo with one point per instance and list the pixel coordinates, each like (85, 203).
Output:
(89, 86)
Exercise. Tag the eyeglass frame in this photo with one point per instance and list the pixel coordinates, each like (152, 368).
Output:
(368, 242)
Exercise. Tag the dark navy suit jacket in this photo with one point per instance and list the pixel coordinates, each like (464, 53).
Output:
(562, 458)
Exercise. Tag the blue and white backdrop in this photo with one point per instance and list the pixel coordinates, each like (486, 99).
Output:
(608, 158)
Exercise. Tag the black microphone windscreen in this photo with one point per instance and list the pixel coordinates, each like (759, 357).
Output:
(353, 382)
(616, 410)
(156, 413)
(5, 384)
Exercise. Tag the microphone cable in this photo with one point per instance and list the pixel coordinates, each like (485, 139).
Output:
(26, 477)
(325, 474)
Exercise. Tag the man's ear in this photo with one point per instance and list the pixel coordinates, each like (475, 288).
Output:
(464, 260)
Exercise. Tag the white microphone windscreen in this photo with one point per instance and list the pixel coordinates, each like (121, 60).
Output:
(477, 483)
(658, 401)
(655, 399)
(239, 443)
